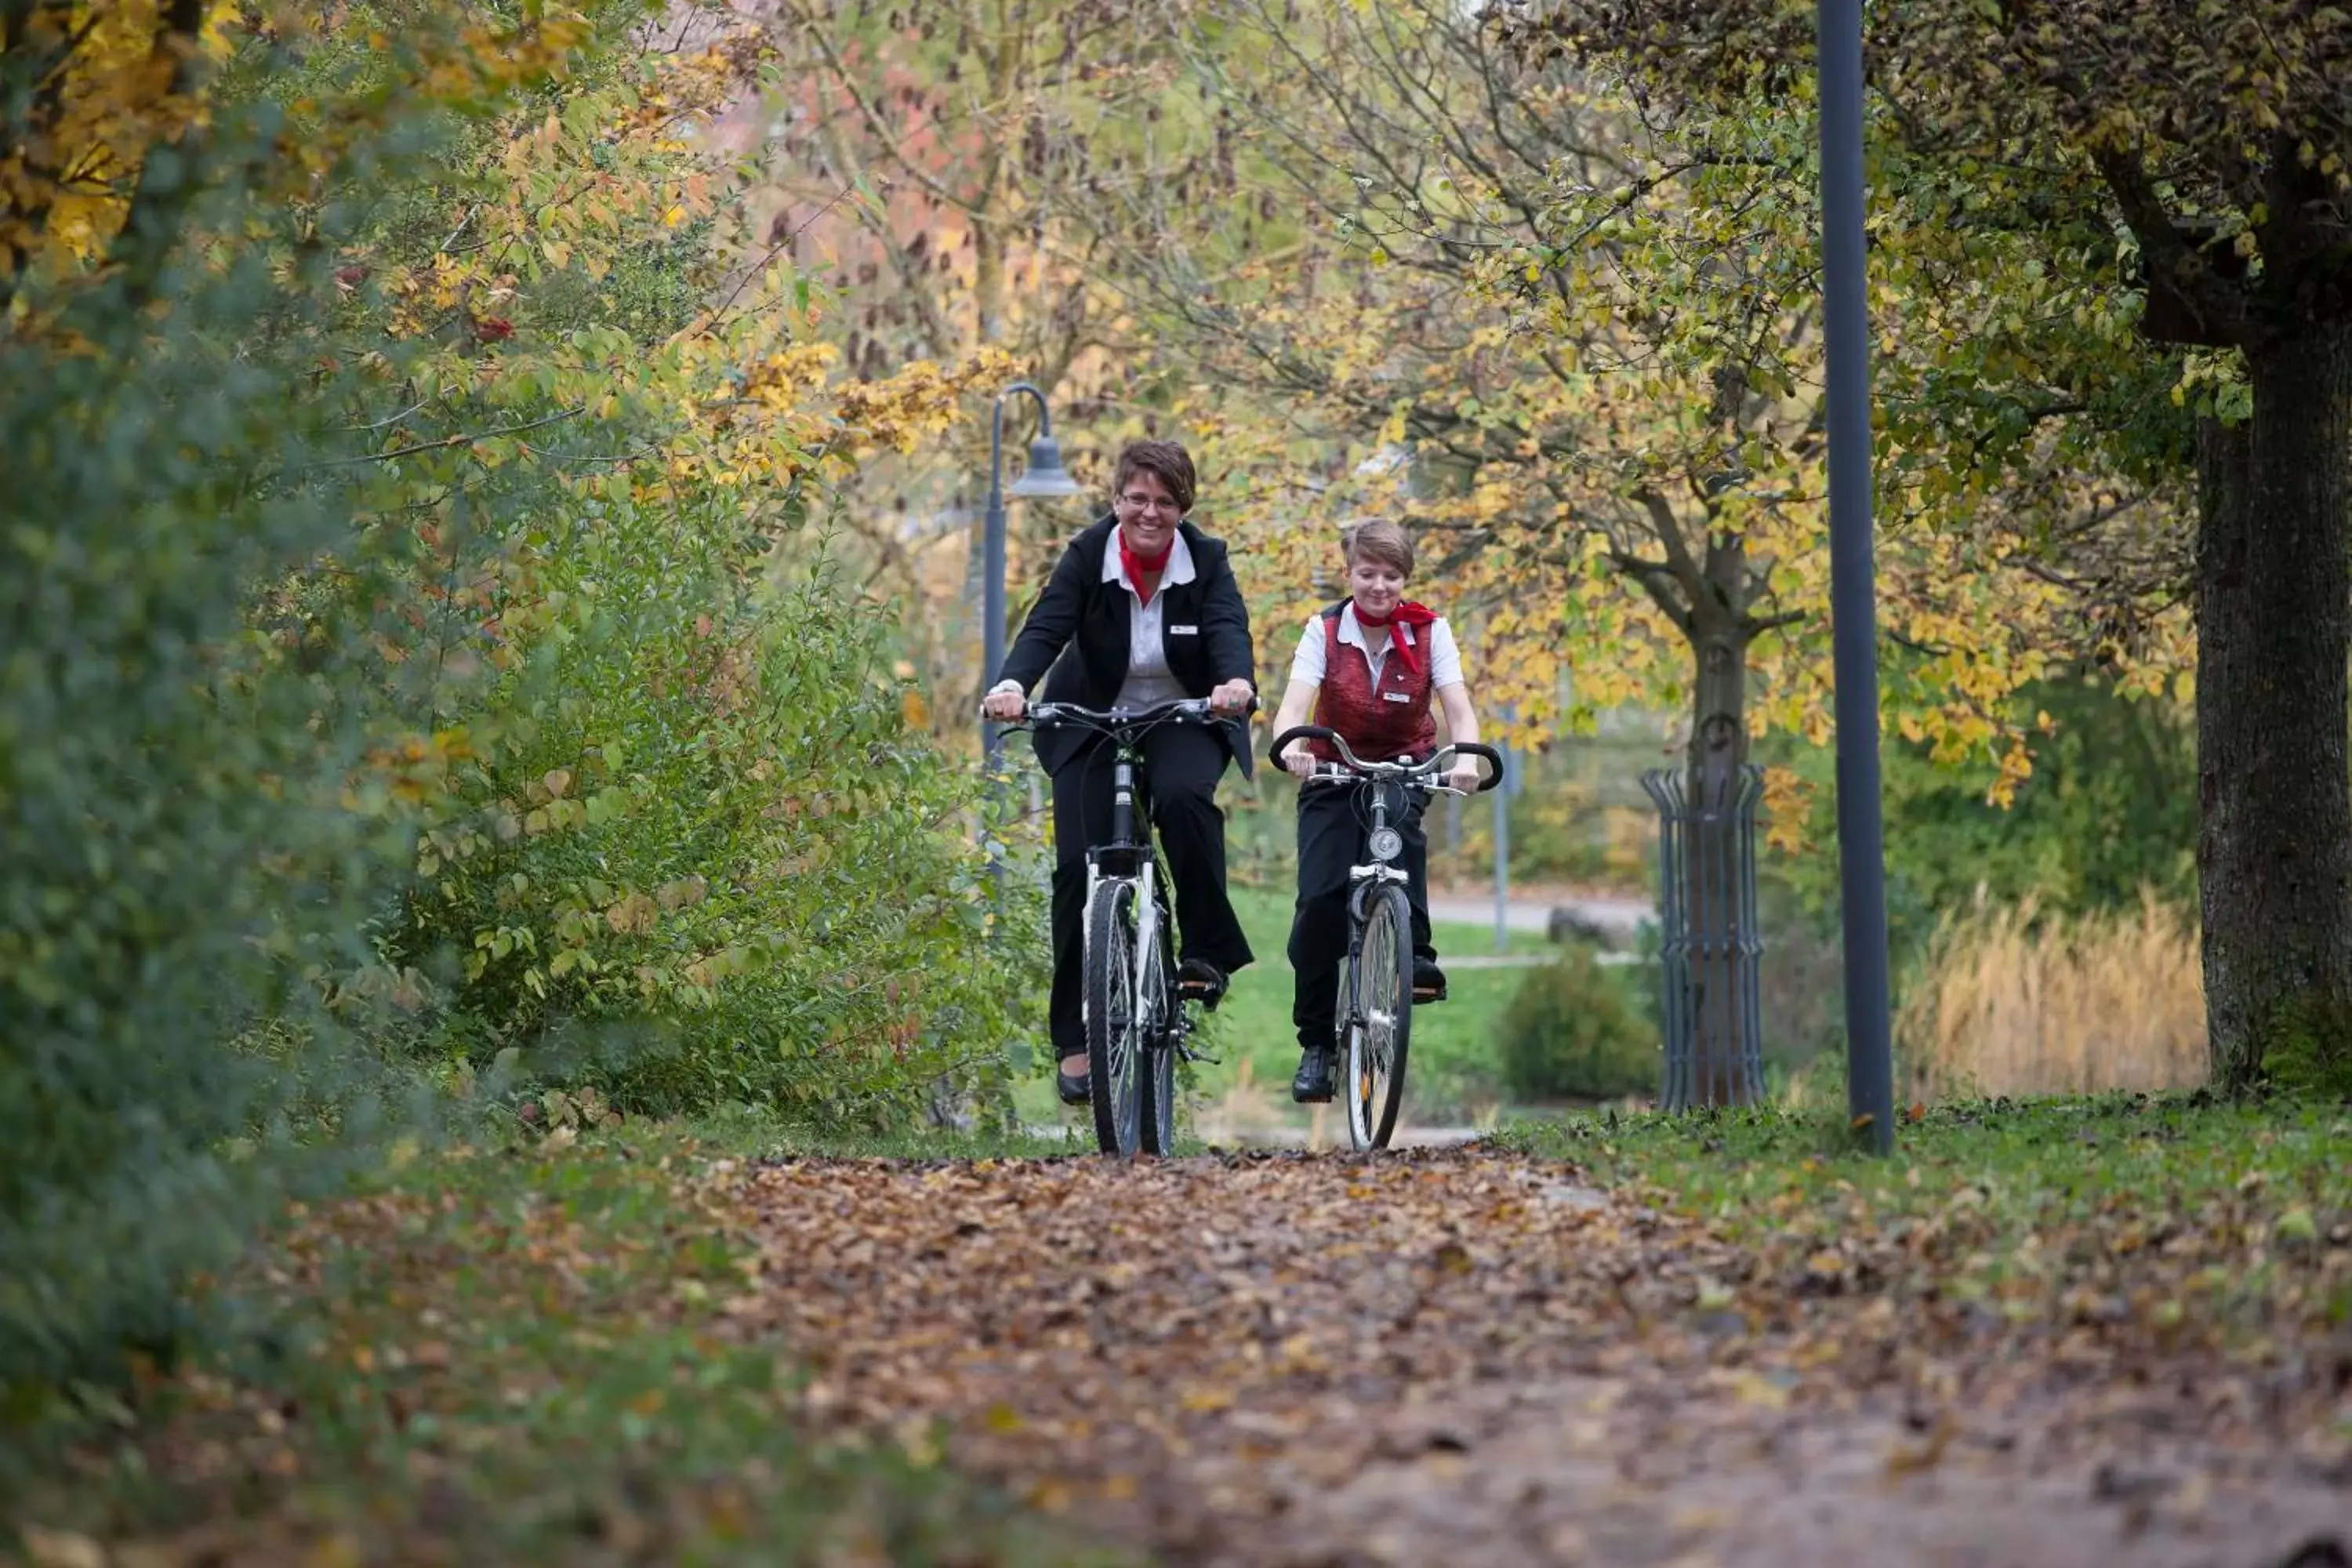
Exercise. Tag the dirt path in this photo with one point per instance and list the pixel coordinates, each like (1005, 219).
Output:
(1458, 1356)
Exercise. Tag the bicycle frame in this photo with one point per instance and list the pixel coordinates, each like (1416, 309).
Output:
(1133, 857)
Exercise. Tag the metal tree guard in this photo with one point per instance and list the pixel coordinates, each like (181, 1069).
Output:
(1711, 947)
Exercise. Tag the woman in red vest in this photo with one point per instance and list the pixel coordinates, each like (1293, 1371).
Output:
(1367, 668)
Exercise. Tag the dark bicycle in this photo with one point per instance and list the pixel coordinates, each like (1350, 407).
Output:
(1374, 1018)
(1135, 1023)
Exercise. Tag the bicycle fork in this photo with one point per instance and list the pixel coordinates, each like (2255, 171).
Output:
(1384, 844)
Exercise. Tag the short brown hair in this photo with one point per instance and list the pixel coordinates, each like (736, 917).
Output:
(1385, 542)
(1165, 460)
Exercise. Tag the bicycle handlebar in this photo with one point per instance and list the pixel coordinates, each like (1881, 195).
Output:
(1182, 711)
(1419, 772)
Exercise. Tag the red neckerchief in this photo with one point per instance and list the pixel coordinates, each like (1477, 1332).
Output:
(1137, 565)
(1418, 617)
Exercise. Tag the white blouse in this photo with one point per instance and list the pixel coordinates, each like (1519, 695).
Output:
(1148, 677)
(1149, 680)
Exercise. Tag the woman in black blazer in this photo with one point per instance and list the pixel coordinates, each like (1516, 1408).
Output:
(1142, 608)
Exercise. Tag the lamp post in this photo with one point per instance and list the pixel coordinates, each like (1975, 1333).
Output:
(1853, 630)
(1043, 478)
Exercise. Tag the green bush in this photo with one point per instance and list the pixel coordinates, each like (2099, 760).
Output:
(702, 857)
(1571, 1033)
(253, 654)
(173, 850)
(385, 690)
(678, 841)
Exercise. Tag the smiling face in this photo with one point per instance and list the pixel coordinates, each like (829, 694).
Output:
(1148, 513)
(1378, 585)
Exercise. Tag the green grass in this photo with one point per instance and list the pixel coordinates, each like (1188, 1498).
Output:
(2241, 1214)
(522, 1355)
(1455, 1071)
(1453, 1067)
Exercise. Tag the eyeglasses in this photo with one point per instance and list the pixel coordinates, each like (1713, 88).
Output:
(1134, 503)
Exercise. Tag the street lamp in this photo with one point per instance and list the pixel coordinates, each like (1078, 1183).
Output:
(1043, 478)
(1854, 631)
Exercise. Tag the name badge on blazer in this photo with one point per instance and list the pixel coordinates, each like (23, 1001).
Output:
(1183, 631)
(1396, 696)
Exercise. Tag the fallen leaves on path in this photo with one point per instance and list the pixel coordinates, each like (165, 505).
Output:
(599, 1353)
(1295, 1359)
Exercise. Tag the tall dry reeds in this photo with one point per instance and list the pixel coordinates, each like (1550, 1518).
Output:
(2011, 1001)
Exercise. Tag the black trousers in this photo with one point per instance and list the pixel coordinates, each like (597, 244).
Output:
(1334, 820)
(1178, 778)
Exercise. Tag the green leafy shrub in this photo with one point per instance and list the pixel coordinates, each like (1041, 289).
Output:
(703, 856)
(678, 842)
(1571, 1033)
(298, 569)
(174, 849)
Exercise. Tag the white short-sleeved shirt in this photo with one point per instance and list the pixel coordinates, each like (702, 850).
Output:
(1445, 655)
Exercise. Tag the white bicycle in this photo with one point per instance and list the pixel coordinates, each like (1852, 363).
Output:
(1374, 1016)
(1137, 1024)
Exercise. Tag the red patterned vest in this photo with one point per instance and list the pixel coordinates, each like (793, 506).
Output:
(1381, 724)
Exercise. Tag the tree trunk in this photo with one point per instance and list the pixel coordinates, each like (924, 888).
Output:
(2273, 631)
(1716, 873)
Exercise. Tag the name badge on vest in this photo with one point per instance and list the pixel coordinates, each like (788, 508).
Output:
(1183, 631)
(1396, 696)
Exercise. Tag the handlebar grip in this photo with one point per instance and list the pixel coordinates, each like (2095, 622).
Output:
(1474, 748)
(1298, 733)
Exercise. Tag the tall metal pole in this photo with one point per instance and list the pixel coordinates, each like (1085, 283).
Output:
(1502, 871)
(1502, 794)
(1854, 629)
(1044, 477)
(991, 631)
(992, 611)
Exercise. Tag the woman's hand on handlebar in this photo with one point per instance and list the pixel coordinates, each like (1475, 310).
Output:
(1233, 696)
(1298, 761)
(1004, 706)
(1463, 776)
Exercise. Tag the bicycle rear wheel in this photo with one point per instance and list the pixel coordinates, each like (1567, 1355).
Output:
(1113, 1018)
(1379, 1024)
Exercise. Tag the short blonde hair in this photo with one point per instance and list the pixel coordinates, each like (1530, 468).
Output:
(1380, 540)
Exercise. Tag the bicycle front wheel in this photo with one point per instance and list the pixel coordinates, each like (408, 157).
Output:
(1114, 1033)
(1379, 1021)
(1160, 1010)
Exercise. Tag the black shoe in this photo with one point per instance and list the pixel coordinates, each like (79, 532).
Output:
(1075, 1088)
(1198, 980)
(1428, 981)
(1311, 1084)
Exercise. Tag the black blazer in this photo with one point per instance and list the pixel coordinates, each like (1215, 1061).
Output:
(1080, 627)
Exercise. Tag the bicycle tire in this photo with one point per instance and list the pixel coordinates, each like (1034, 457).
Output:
(1156, 990)
(1112, 1034)
(1380, 1026)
